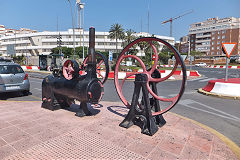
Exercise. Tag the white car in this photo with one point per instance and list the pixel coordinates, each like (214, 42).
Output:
(201, 64)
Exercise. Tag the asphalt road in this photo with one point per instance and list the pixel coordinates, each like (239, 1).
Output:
(220, 114)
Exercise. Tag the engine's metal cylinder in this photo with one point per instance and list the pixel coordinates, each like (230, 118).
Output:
(85, 90)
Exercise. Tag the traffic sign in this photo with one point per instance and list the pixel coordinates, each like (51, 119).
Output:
(153, 57)
(228, 48)
(110, 56)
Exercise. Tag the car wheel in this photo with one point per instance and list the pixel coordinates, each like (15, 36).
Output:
(26, 92)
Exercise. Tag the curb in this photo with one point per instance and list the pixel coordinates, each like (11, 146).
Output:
(233, 146)
(200, 90)
(223, 66)
(223, 88)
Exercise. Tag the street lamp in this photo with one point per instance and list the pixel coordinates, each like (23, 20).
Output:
(81, 25)
(189, 51)
(73, 23)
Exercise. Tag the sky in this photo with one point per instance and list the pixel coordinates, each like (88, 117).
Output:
(44, 15)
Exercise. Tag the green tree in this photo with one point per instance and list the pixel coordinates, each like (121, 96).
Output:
(116, 32)
(68, 52)
(129, 37)
(196, 53)
(19, 59)
(79, 51)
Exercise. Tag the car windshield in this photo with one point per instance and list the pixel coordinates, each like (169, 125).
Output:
(10, 69)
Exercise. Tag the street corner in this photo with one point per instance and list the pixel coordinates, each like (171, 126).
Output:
(222, 88)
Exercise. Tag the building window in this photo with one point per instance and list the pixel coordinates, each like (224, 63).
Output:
(212, 48)
(223, 32)
(217, 53)
(218, 42)
(213, 33)
(100, 43)
(218, 47)
(100, 36)
(223, 36)
(218, 32)
(213, 38)
(212, 53)
(218, 37)
(212, 42)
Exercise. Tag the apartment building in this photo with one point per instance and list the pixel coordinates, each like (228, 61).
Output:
(208, 35)
(41, 43)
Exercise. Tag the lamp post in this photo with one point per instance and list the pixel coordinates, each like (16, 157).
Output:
(189, 51)
(73, 23)
(81, 23)
(83, 29)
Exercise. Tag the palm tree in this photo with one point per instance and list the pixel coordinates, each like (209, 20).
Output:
(116, 32)
(130, 36)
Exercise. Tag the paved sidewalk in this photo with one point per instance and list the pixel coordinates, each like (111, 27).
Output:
(28, 131)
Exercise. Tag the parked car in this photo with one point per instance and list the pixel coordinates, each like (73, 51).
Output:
(201, 64)
(13, 78)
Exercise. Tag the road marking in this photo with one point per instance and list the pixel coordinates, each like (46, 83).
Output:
(35, 82)
(197, 79)
(38, 89)
(35, 97)
(173, 95)
(191, 92)
(204, 80)
(187, 103)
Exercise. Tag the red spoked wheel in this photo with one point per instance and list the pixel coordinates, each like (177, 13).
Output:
(139, 60)
(102, 67)
(70, 69)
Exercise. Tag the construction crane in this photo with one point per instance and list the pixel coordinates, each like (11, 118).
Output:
(172, 19)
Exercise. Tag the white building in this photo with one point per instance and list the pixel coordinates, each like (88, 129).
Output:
(41, 43)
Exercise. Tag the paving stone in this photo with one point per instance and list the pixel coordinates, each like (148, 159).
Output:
(189, 152)
(46, 135)
(2, 142)
(3, 124)
(31, 132)
(8, 130)
(160, 154)
(15, 136)
(6, 151)
(25, 143)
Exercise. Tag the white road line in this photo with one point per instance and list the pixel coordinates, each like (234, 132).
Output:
(38, 89)
(204, 80)
(187, 103)
(197, 79)
(35, 82)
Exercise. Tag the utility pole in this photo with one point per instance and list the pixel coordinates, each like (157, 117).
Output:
(73, 23)
(148, 16)
(81, 21)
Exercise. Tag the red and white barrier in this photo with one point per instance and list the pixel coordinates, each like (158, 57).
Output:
(33, 68)
(166, 65)
(164, 73)
(222, 66)
(122, 75)
(231, 87)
